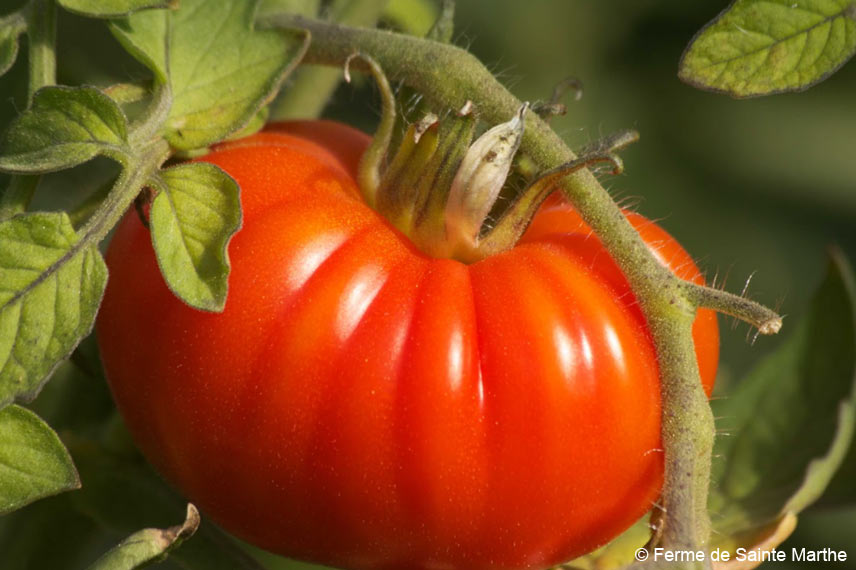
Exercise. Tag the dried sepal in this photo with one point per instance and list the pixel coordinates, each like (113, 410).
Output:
(479, 179)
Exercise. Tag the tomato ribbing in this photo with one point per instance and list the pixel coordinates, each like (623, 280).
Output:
(363, 405)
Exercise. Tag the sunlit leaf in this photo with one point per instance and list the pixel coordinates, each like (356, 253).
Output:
(220, 70)
(192, 220)
(49, 293)
(65, 126)
(756, 47)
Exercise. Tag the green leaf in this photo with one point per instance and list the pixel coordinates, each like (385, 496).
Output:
(49, 293)
(758, 47)
(10, 28)
(65, 126)
(111, 8)
(790, 422)
(256, 124)
(220, 70)
(33, 462)
(148, 545)
(193, 218)
(145, 36)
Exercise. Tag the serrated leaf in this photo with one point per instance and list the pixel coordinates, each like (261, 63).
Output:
(192, 219)
(33, 461)
(758, 47)
(10, 28)
(220, 70)
(110, 8)
(790, 422)
(65, 126)
(49, 293)
(148, 545)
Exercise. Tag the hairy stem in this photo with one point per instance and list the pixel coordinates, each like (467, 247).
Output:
(757, 315)
(449, 76)
(41, 32)
(134, 175)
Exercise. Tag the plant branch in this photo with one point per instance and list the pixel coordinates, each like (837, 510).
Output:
(766, 320)
(450, 76)
(134, 175)
(41, 33)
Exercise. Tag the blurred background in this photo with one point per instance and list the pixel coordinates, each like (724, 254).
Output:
(750, 187)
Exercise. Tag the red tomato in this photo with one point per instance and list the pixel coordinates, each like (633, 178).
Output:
(364, 406)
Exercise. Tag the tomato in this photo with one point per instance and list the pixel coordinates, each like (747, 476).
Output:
(362, 405)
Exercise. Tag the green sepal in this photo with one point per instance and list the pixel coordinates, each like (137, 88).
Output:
(193, 217)
(65, 126)
(33, 461)
(759, 47)
(790, 423)
(50, 290)
(220, 70)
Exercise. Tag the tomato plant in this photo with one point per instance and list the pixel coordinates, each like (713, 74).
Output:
(361, 404)
(447, 346)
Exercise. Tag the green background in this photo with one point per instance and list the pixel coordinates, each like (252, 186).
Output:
(758, 186)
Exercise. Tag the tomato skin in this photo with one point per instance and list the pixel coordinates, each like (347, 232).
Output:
(364, 406)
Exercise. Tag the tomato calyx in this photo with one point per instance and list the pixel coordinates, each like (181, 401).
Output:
(440, 186)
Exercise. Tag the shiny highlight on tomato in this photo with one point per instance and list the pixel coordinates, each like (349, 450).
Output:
(364, 406)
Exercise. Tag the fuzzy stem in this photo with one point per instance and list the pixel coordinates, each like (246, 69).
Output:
(41, 32)
(134, 174)
(757, 315)
(450, 76)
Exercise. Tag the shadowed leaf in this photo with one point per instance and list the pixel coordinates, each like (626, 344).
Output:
(790, 422)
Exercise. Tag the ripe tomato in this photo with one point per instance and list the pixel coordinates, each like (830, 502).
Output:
(362, 405)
